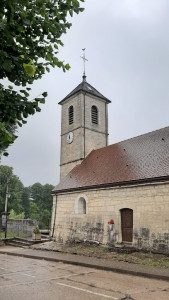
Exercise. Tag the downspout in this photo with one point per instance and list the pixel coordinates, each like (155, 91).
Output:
(54, 218)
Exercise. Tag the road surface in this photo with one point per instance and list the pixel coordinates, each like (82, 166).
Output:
(30, 279)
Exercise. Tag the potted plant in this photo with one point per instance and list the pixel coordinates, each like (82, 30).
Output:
(36, 233)
(110, 224)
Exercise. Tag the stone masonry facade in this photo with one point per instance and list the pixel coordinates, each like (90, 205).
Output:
(93, 137)
(150, 205)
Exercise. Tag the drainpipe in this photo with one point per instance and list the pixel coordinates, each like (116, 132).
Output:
(54, 218)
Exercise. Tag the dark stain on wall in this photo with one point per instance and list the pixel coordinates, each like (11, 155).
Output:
(87, 231)
(145, 240)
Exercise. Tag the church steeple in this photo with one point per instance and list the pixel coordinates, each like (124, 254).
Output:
(84, 124)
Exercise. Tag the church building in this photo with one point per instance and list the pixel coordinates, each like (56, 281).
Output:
(109, 194)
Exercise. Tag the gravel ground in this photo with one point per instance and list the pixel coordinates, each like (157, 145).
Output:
(98, 251)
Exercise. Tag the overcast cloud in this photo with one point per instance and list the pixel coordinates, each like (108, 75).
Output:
(127, 47)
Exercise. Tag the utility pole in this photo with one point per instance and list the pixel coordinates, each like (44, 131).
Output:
(6, 207)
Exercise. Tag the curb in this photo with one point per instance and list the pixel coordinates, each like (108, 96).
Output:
(98, 267)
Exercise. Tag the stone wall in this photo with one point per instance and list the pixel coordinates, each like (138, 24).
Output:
(150, 205)
(21, 226)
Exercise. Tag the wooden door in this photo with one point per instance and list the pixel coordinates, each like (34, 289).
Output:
(127, 224)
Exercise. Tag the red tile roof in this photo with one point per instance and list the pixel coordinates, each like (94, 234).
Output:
(144, 157)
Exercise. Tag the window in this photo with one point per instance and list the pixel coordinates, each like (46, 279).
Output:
(94, 115)
(71, 115)
(82, 206)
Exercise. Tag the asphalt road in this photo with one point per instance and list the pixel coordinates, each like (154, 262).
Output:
(24, 278)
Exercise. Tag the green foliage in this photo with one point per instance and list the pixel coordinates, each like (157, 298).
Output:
(7, 136)
(42, 197)
(30, 32)
(33, 211)
(36, 230)
(12, 235)
(33, 202)
(26, 201)
(13, 215)
(15, 188)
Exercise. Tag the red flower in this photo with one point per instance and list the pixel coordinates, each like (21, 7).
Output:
(111, 222)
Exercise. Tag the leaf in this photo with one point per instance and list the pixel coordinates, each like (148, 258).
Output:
(75, 3)
(7, 65)
(42, 100)
(67, 66)
(5, 154)
(71, 12)
(29, 69)
(59, 64)
(44, 94)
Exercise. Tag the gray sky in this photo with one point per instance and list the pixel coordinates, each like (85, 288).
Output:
(127, 47)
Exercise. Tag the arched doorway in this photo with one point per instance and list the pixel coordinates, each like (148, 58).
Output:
(127, 224)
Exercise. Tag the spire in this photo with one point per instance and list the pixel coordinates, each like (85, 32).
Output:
(84, 61)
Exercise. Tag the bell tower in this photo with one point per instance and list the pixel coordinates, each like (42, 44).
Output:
(84, 124)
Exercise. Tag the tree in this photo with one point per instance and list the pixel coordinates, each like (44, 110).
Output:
(42, 197)
(13, 215)
(15, 188)
(34, 211)
(30, 32)
(7, 135)
(25, 201)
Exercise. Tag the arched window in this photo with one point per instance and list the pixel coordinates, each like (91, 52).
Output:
(71, 115)
(82, 206)
(94, 114)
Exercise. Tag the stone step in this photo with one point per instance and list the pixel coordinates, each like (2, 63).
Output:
(14, 244)
(23, 242)
(19, 243)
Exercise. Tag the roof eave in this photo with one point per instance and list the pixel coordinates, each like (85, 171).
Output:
(114, 184)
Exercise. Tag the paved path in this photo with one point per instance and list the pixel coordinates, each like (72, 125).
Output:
(26, 278)
(102, 264)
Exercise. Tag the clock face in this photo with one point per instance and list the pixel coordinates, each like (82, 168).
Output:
(70, 137)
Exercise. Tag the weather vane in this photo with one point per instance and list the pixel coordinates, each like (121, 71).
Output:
(84, 61)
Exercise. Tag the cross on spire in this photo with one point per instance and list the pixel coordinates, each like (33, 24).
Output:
(84, 61)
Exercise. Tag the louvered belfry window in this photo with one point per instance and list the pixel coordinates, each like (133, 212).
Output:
(94, 114)
(71, 115)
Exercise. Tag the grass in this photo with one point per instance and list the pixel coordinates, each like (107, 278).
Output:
(12, 235)
(149, 259)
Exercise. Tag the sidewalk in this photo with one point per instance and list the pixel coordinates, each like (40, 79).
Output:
(90, 262)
